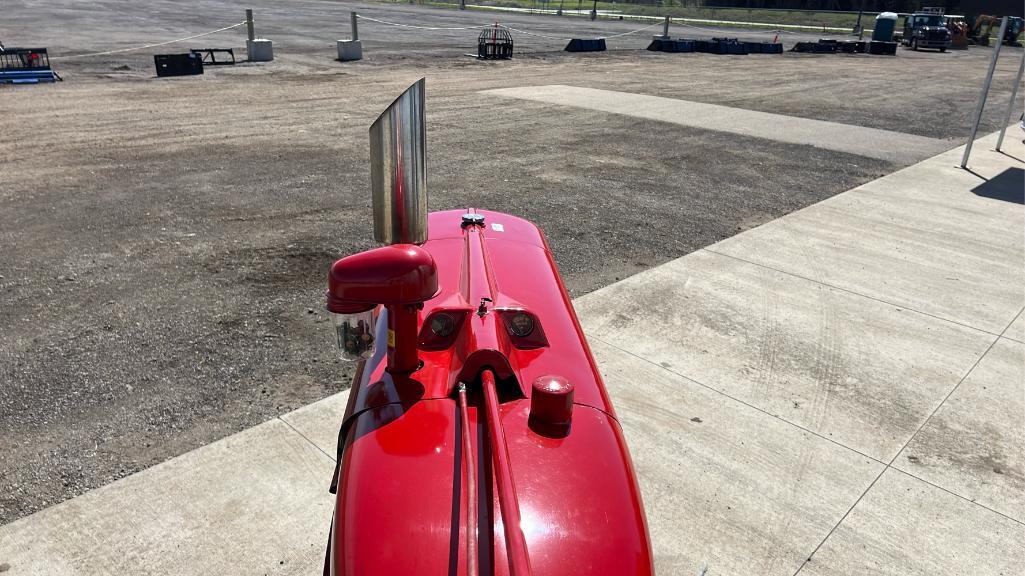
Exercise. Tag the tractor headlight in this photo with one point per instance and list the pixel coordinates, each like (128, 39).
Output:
(524, 328)
(520, 324)
(442, 325)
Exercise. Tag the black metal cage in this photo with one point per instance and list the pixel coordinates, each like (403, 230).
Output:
(25, 66)
(209, 56)
(24, 59)
(495, 43)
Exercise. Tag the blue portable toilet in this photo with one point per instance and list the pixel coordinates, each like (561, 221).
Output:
(886, 23)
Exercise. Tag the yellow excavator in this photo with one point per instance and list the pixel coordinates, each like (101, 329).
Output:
(980, 27)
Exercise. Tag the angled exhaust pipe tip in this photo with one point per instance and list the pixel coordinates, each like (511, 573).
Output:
(398, 170)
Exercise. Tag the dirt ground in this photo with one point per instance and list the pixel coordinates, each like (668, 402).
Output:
(165, 241)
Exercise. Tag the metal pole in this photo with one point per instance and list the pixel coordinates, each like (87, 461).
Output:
(353, 23)
(858, 27)
(1010, 104)
(982, 95)
(250, 28)
(594, 11)
(665, 28)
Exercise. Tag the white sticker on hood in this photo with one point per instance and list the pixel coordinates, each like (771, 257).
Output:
(497, 227)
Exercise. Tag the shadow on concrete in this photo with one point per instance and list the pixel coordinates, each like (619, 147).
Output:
(1011, 155)
(1008, 186)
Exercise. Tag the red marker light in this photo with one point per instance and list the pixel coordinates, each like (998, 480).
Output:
(551, 406)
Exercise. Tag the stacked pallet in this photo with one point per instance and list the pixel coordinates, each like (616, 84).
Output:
(714, 46)
(830, 46)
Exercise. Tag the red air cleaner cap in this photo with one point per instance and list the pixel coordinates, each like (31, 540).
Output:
(551, 403)
(392, 275)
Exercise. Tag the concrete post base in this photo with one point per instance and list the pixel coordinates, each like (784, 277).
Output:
(350, 50)
(260, 50)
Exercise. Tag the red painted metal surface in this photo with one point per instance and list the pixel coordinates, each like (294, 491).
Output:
(402, 499)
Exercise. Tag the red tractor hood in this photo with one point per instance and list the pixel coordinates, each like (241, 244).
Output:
(401, 494)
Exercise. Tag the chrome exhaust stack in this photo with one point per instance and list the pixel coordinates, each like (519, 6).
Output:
(398, 170)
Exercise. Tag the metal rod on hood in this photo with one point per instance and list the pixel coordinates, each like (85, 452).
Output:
(515, 543)
(398, 169)
(471, 487)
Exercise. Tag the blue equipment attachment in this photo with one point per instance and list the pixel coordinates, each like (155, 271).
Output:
(25, 66)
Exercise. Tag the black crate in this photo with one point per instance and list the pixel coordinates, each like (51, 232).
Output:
(671, 45)
(882, 48)
(659, 44)
(701, 45)
(851, 47)
(682, 46)
(815, 47)
(581, 45)
(725, 46)
(178, 64)
(710, 47)
(764, 48)
(734, 47)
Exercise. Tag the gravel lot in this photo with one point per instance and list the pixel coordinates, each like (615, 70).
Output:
(165, 242)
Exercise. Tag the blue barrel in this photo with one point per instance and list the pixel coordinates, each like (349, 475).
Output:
(885, 25)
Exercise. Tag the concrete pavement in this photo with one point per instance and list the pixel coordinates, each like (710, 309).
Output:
(882, 322)
(870, 142)
(838, 392)
(253, 503)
